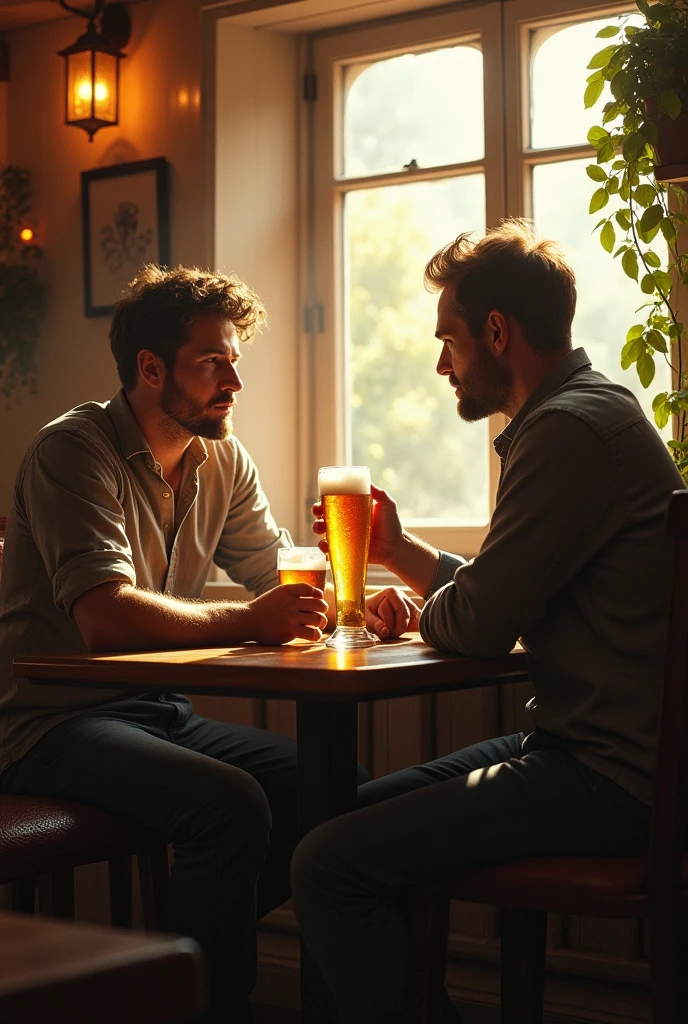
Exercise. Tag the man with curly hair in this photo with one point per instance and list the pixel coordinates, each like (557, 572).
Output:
(119, 510)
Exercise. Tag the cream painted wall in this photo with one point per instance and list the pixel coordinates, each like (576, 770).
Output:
(256, 237)
(160, 117)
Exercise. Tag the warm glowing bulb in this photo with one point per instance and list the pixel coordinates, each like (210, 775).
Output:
(101, 91)
(26, 234)
(83, 91)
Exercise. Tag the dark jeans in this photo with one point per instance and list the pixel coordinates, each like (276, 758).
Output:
(486, 804)
(224, 795)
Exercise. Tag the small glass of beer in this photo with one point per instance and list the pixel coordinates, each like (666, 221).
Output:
(347, 506)
(302, 565)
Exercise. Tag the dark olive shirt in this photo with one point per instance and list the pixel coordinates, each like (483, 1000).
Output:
(91, 505)
(577, 565)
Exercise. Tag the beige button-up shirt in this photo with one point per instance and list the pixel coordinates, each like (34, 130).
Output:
(91, 505)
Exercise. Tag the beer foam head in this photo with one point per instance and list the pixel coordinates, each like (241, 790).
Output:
(344, 480)
(312, 559)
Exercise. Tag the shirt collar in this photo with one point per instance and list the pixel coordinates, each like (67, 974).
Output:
(569, 364)
(131, 439)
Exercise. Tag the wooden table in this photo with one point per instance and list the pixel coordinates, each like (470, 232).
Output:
(54, 971)
(326, 685)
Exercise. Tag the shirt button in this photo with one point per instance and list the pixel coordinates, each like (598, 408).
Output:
(165, 494)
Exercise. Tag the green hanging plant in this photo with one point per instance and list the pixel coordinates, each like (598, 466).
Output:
(647, 70)
(22, 293)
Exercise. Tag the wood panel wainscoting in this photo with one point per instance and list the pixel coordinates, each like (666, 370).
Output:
(597, 972)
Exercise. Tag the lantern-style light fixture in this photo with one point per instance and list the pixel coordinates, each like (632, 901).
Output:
(92, 67)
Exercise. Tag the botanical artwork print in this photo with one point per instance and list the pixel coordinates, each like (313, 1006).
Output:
(124, 242)
(124, 233)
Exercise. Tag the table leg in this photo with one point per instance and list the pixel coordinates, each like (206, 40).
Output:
(327, 752)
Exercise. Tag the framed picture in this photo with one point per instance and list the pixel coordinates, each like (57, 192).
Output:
(125, 225)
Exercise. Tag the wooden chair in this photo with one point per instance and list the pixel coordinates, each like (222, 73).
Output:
(653, 886)
(42, 840)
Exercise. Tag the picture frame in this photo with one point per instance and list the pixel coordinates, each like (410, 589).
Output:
(125, 222)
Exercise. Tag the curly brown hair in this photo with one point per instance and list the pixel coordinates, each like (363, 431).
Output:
(512, 271)
(159, 305)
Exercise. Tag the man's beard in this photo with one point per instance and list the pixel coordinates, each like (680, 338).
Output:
(484, 387)
(192, 416)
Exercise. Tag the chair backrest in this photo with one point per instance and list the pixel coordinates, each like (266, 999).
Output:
(670, 810)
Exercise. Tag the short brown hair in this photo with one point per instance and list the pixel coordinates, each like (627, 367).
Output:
(160, 304)
(511, 271)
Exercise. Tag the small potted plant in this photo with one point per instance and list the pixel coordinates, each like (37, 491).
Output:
(647, 70)
(22, 294)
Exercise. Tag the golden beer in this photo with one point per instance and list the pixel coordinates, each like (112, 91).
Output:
(313, 577)
(302, 565)
(347, 509)
(347, 520)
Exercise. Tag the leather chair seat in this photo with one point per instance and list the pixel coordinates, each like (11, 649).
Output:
(37, 833)
(564, 884)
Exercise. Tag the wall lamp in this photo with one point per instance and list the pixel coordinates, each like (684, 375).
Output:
(92, 67)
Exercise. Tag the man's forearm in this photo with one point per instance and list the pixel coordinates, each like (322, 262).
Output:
(414, 562)
(118, 616)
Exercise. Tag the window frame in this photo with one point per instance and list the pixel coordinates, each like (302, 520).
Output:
(504, 30)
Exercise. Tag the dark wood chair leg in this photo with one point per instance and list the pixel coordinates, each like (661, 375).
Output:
(57, 898)
(119, 875)
(523, 953)
(23, 895)
(428, 956)
(153, 879)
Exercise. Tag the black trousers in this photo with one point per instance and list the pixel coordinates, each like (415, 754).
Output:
(489, 803)
(224, 795)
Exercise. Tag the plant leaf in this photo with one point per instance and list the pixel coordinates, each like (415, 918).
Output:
(608, 32)
(596, 134)
(623, 219)
(652, 259)
(636, 331)
(645, 365)
(593, 91)
(608, 236)
(651, 217)
(605, 152)
(629, 261)
(644, 195)
(670, 102)
(663, 280)
(647, 284)
(599, 199)
(650, 132)
(633, 146)
(668, 229)
(602, 57)
(621, 86)
(656, 340)
(596, 172)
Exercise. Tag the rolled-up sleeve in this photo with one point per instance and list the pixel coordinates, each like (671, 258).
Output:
(558, 503)
(250, 539)
(71, 490)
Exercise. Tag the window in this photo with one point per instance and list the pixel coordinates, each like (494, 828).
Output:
(423, 129)
(560, 192)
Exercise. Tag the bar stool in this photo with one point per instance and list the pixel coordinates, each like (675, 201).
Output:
(48, 837)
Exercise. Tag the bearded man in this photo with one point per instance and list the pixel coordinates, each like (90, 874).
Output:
(576, 563)
(119, 511)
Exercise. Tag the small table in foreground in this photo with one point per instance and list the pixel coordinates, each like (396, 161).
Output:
(327, 686)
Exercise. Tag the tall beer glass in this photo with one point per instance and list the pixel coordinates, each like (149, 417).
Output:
(347, 506)
(302, 565)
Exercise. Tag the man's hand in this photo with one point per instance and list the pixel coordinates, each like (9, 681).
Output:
(286, 613)
(386, 534)
(390, 613)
